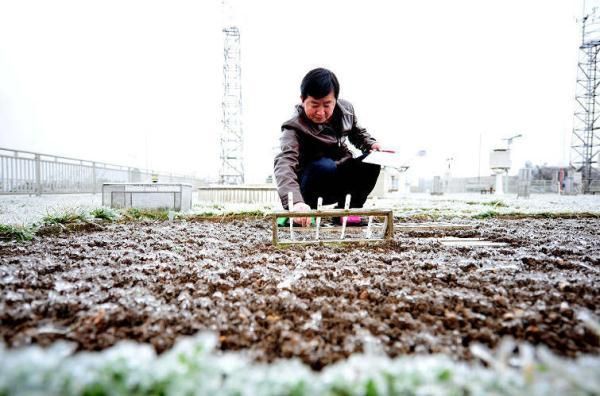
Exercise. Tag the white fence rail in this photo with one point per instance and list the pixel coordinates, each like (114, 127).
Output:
(544, 186)
(26, 172)
(239, 194)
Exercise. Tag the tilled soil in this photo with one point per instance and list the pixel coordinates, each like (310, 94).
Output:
(155, 281)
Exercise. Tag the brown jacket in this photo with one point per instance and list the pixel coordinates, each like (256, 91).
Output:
(303, 141)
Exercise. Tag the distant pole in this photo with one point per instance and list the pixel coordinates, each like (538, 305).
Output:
(146, 148)
(38, 175)
(94, 178)
(479, 164)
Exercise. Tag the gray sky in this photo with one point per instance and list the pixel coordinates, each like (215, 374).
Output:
(117, 80)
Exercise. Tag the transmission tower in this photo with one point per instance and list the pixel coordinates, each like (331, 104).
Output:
(585, 141)
(232, 142)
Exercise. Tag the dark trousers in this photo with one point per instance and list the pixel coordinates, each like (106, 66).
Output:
(323, 178)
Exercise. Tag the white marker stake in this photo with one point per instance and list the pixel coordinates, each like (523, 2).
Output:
(369, 224)
(290, 205)
(319, 206)
(345, 218)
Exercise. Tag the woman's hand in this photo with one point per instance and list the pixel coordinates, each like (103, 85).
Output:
(377, 147)
(301, 207)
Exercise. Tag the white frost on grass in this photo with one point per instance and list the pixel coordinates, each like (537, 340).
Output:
(472, 204)
(25, 210)
(194, 366)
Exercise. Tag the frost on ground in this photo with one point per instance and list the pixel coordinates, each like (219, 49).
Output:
(409, 316)
(459, 205)
(193, 367)
(29, 209)
(152, 281)
(451, 205)
(23, 210)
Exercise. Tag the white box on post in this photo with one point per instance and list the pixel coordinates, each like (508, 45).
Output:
(170, 196)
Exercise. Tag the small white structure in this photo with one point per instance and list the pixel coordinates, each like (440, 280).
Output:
(171, 196)
(573, 183)
(390, 181)
(438, 186)
(500, 163)
(524, 182)
(500, 160)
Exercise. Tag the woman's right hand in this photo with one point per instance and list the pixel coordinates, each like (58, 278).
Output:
(301, 207)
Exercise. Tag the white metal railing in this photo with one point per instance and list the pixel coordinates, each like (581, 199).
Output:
(26, 172)
(239, 194)
(544, 186)
(594, 187)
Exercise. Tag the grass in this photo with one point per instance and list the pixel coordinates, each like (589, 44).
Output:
(210, 215)
(18, 233)
(486, 215)
(541, 215)
(149, 214)
(73, 216)
(105, 214)
(424, 217)
(134, 214)
(193, 366)
(431, 214)
(247, 213)
(67, 217)
(495, 203)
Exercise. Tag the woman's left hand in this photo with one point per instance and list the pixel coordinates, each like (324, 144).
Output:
(376, 147)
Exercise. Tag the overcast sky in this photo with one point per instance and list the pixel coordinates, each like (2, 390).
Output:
(140, 82)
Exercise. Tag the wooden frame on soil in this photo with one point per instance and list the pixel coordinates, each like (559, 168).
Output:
(386, 213)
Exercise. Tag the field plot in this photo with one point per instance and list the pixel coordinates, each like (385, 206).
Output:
(152, 281)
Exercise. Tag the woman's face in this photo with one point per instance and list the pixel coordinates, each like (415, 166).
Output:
(319, 110)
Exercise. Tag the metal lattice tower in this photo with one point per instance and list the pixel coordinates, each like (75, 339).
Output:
(585, 142)
(232, 143)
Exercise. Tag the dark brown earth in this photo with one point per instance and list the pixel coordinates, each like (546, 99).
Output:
(155, 281)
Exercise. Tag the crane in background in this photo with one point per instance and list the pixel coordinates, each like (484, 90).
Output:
(232, 138)
(585, 140)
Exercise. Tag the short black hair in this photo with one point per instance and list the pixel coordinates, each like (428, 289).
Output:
(318, 83)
